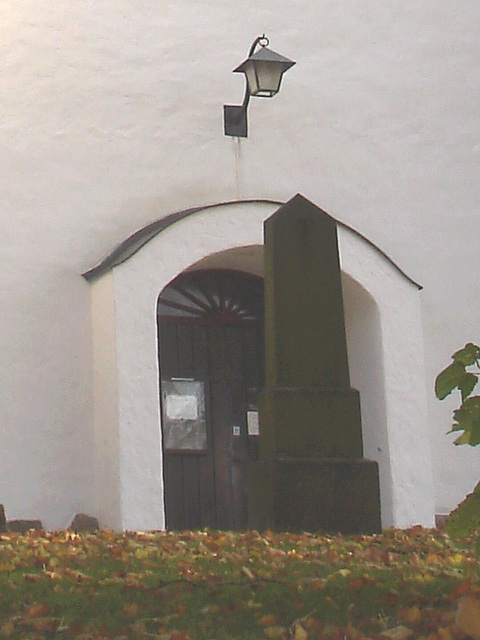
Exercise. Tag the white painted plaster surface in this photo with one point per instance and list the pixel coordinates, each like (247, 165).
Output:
(399, 358)
(107, 502)
(111, 118)
(383, 330)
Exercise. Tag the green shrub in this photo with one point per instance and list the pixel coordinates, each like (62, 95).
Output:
(462, 374)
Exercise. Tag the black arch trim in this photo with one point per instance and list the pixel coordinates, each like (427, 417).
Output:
(139, 238)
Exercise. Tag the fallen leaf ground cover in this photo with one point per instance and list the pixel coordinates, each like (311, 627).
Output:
(216, 585)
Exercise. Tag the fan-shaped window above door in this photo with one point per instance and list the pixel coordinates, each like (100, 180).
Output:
(221, 297)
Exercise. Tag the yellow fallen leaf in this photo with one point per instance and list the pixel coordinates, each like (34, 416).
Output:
(397, 633)
(246, 571)
(444, 634)
(457, 559)
(468, 617)
(298, 632)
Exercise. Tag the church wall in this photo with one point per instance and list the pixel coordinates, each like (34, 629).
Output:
(112, 118)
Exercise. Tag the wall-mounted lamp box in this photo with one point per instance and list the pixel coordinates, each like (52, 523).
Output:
(263, 71)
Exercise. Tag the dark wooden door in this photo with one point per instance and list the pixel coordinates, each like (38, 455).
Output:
(211, 364)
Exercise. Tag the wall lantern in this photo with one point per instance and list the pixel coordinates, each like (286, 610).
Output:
(263, 70)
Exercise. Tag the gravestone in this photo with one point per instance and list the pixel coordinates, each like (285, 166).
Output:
(24, 526)
(3, 519)
(311, 474)
(82, 523)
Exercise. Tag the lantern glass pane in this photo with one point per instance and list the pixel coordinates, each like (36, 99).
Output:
(249, 71)
(267, 78)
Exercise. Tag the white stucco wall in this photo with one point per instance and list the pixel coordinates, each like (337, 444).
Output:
(106, 502)
(111, 118)
(384, 334)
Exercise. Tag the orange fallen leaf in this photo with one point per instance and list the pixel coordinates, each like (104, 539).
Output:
(53, 575)
(444, 634)
(32, 577)
(37, 610)
(130, 610)
(411, 617)
(47, 625)
(77, 575)
(7, 629)
(356, 584)
(468, 616)
(276, 553)
(463, 589)
(275, 633)
(352, 633)
(179, 635)
(268, 620)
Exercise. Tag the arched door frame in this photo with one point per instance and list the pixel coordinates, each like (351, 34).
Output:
(127, 416)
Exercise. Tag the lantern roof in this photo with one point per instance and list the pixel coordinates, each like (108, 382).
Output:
(264, 54)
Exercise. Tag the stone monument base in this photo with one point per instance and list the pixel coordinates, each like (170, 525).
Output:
(332, 495)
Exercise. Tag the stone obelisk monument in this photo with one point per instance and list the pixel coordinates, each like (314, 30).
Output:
(311, 474)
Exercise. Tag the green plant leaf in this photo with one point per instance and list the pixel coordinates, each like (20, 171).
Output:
(475, 434)
(449, 379)
(463, 439)
(456, 427)
(468, 419)
(467, 384)
(468, 355)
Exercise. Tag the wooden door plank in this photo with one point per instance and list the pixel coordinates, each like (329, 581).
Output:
(168, 349)
(185, 351)
(174, 502)
(206, 478)
(191, 492)
(235, 365)
(221, 428)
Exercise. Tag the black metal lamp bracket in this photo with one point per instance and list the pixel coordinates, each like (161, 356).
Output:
(235, 116)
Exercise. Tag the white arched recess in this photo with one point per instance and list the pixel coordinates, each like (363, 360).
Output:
(382, 310)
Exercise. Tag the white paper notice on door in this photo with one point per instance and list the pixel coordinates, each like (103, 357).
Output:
(253, 426)
(181, 407)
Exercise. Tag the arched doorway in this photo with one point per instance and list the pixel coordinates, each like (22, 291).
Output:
(383, 311)
(210, 336)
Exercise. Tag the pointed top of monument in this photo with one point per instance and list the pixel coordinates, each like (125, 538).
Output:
(301, 207)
